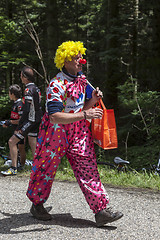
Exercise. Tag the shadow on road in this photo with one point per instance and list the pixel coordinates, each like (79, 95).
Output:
(12, 222)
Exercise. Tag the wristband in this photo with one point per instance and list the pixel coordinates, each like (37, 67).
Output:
(85, 115)
(8, 123)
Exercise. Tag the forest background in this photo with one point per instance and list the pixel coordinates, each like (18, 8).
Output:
(123, 58)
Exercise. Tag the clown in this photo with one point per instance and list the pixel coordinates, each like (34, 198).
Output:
(65, 130)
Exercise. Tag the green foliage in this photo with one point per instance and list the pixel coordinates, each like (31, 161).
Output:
(142, 108)
(5, 106)
(129, 179)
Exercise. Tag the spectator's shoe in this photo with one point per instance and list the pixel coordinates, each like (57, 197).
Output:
(9, 172)
(107, 216)
(8, 163)
(29, 162)
(39, 212)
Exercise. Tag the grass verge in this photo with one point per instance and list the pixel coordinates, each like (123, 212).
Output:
(108, 176)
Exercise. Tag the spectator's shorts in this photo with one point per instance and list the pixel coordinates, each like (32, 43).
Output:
(28, 129)
(14, 126)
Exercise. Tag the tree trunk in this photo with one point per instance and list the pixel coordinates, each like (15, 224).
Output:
(112, 66)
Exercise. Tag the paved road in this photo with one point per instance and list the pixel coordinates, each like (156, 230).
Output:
(72, 218)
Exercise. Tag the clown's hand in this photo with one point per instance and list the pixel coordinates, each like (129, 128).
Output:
(97, 94)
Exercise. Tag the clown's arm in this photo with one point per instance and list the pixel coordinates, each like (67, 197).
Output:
(93, 97)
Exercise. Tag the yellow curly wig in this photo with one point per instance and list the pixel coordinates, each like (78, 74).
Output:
(66, 51)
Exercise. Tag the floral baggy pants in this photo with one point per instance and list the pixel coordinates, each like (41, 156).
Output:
(74, 140)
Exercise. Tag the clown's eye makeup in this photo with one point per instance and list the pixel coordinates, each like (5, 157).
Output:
(76, 58)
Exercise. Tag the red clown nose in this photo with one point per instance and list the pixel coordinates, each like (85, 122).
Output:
(82, 61)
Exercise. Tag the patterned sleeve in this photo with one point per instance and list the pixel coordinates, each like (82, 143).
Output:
(19, 109)
(55, 95)
(89, 91)
(26, 106)
(28, 95)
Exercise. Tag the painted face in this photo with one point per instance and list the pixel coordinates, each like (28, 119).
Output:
(74, 66)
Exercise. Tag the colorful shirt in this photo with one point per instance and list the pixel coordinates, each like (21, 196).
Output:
(61, 91)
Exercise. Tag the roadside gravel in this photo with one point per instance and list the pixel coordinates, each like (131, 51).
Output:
(72, 218)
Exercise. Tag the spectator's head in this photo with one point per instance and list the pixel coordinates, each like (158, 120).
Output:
(66, 51)
(27, 75)
(15, 92)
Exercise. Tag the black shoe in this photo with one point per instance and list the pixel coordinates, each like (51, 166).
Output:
(39, 212)
(107, 216)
